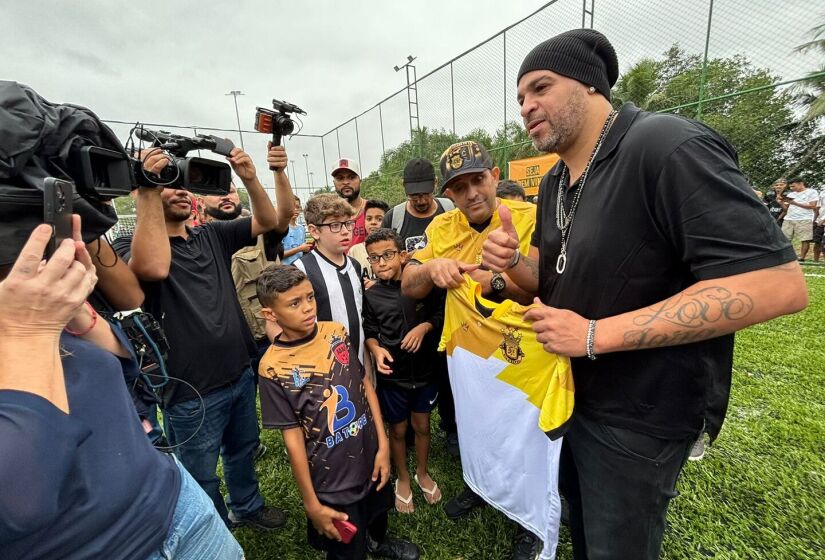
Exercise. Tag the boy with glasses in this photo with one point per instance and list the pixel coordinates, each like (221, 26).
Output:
(335, 277)
(402, 335)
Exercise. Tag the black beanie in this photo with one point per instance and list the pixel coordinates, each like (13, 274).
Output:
(582, 54)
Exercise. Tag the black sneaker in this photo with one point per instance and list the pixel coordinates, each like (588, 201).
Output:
(452, 445)
(398, 549)
(463, 504)
(526, 546)
(267, 518)
(259, 452)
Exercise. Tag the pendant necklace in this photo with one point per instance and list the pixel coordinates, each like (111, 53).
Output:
(564, 221)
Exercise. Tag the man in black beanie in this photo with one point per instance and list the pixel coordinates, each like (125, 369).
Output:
(641, 284)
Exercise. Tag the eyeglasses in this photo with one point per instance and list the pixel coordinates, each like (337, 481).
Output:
(386, 255)
(335, 227)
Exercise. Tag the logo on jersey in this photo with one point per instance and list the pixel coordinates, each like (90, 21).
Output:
(341, 413)
(340, 350)
(511, 345)
(298, 378)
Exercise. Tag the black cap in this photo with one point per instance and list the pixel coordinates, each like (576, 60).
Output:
(419, 177)
(462, 158)
(582, 54)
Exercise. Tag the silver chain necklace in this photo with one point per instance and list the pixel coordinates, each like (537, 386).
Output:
(565, 221)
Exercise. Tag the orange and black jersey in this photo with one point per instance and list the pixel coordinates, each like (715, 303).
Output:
(317, 383)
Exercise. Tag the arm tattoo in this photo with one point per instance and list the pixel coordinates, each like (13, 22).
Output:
(532, 266)
(648, 338)
(695, 312)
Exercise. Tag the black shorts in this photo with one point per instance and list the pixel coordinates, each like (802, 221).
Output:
(369, 515)
(819, 233)
(398, 404)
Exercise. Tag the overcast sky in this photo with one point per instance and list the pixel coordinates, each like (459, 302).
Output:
(173, 61)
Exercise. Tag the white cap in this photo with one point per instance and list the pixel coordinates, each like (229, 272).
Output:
(346, 163)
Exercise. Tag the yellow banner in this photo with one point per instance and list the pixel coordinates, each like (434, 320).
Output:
(529, 172)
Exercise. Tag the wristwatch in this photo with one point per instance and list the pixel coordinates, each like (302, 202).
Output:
(497, 283)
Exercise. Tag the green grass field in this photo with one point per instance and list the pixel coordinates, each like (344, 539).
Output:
(758, 494)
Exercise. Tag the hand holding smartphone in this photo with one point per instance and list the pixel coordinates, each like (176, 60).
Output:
(346, 529)
(57, 211)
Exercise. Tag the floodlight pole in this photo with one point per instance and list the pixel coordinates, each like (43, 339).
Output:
(306, 162)
(412, 98)
(235, 93)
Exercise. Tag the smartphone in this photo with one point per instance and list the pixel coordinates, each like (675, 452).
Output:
(57, 211)
(346, 529)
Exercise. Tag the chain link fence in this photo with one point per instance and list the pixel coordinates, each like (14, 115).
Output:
(731, 63)
(734, 64)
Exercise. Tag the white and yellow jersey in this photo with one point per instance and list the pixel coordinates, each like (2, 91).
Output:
(513, 402)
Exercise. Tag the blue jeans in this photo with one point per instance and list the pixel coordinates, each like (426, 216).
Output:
(229, 429)
(197, 531)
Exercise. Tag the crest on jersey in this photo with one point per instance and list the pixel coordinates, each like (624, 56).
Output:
(340, 350)
(511, 345)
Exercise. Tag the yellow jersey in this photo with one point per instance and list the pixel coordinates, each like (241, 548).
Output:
(451, 236)
(497, 332)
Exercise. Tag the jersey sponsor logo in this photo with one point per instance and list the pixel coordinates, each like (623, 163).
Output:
(511, 345)
(298, 378)
(337, 402)
(414, 243)
(435, 398)
(347, 432)
(341, 427)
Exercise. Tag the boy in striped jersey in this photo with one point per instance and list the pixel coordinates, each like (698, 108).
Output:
(335, 277)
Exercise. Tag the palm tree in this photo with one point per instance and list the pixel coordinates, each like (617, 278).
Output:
(812, 94)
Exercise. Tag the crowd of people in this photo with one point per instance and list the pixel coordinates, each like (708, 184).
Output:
(800, 212)
(579, 345)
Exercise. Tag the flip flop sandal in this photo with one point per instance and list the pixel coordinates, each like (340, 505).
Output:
(428, 494)
(400, 498)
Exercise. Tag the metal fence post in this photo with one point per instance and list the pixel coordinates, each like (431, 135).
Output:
(358, 145)
(504, 130)
(452, 94)
(381, 126)
(324, 155)
(704, 64)
(338, 139)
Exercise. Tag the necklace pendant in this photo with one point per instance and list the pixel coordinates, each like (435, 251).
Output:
(561, 263)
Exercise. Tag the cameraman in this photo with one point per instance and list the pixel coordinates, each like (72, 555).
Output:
(185, 273)
(81, 480)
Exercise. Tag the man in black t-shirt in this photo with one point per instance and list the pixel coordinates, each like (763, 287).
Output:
(185, 274)
(773, 200)
(641, 276)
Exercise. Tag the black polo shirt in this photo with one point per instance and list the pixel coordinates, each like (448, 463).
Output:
(209, 340)
(664, 206)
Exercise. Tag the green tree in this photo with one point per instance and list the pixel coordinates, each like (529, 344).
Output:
(757, 124)
(812, 89)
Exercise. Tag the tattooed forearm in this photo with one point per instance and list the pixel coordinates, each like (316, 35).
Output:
(648, 338)
(695, 310)
(531, 265)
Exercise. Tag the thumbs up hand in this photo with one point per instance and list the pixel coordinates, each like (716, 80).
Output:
(500, 248)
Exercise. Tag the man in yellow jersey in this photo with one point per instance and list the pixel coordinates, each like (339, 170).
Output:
(453, 247)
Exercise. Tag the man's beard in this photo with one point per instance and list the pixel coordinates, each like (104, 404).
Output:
(564, 128)
(224, 215)
(352, 197)
(173, 214)
(422, 207)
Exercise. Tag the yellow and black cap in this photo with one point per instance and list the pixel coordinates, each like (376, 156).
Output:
(462, 158)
